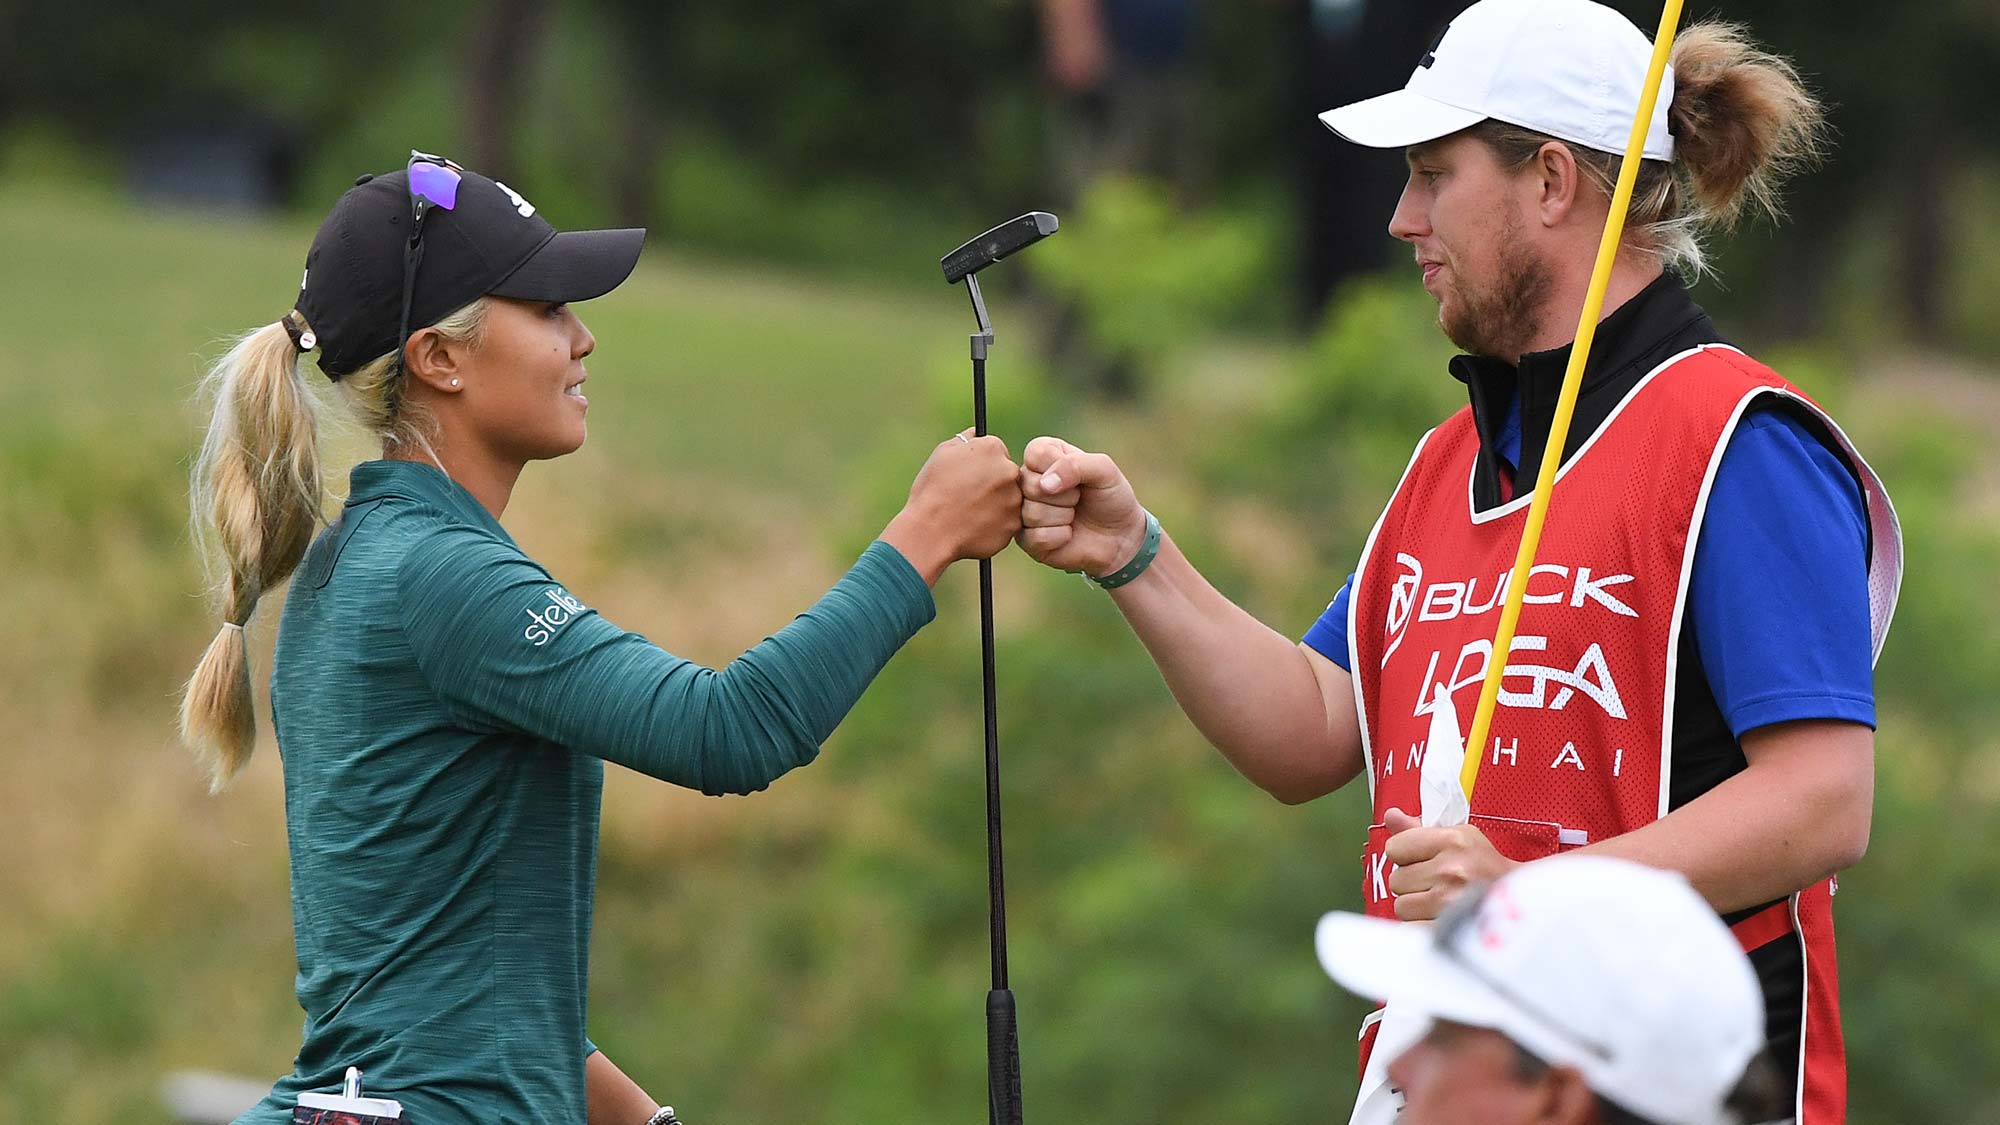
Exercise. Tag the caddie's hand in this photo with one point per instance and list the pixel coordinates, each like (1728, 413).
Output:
(1078, 512)
(964, 504)
(1433, 866)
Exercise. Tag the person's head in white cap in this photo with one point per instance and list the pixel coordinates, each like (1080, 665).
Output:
(1513, 125)
(1579, 990)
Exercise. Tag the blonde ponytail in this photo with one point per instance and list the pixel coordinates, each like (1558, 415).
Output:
(257, 499)
(1743, 122)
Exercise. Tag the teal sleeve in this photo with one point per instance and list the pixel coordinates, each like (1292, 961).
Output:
(506, 647)
(589, 1048)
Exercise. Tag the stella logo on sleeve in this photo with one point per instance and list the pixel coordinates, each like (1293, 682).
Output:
(558, 609)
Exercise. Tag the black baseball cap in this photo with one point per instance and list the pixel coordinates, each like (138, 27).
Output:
(492, 242)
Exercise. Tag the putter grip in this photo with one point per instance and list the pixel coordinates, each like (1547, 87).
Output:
(1003, 1060)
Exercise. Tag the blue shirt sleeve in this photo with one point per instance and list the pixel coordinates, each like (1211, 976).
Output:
(1328, 635)
(1778, 602)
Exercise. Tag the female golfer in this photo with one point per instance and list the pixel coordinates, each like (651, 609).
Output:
(443, 705)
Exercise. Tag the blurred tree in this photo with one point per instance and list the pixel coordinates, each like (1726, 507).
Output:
(287, 81)
(501, 49)
(647, 35)
(891, 93)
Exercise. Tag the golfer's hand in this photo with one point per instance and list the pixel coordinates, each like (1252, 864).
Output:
(1078, 511)
(1435, 865)
(964, 504)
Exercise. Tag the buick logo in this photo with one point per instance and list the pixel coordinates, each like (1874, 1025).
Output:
(1402, 602)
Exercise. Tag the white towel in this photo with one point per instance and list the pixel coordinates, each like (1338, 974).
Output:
(1377, 1103)
(1444, 757)
(1444, 804)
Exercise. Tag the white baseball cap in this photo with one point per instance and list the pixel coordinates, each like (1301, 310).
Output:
(1569, 68)
(1618, 970)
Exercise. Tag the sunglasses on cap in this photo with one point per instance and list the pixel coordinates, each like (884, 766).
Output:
(1458, 926)
(433, 182)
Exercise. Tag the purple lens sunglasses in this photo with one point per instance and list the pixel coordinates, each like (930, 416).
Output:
(433, 183)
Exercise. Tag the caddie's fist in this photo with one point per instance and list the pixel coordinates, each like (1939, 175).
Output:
(1078, 512)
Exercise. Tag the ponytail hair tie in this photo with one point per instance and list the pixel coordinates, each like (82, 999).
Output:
(302, 337)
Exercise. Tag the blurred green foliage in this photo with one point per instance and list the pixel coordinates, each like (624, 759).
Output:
(1147, 280)
(1367, 384)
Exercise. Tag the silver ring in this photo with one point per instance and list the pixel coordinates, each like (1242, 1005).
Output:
(963, 438)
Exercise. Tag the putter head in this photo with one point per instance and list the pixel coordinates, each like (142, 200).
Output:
(995, 244)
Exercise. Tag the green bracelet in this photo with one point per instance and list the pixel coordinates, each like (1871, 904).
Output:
(1140, 561)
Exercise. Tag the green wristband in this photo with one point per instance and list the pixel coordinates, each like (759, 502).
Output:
(1140, 561)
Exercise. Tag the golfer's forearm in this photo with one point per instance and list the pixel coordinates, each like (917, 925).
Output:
(1249, 690)
(612, 1098)
(1796, 815)
(769, 710)
(739, 728)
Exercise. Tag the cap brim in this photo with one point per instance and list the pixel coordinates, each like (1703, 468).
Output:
(575, 265)
(1395, 963)
(1398, 119)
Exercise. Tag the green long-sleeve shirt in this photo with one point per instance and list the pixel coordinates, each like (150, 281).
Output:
(443, 709)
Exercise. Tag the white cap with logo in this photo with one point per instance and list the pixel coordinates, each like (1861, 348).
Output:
(1620, 971)
(1569, 68)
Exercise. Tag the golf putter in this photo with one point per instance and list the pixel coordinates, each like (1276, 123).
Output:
(1003, 1047)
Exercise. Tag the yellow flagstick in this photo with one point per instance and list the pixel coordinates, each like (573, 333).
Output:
(1586, 331)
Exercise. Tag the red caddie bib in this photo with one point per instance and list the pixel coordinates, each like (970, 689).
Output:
(1581, 741)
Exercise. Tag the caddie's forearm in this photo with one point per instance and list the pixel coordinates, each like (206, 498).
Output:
(1798, 813)
(1249, 690)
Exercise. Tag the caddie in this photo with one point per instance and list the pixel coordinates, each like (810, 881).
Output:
(1691, 683)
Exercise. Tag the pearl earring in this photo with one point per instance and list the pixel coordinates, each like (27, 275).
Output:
(454, 382)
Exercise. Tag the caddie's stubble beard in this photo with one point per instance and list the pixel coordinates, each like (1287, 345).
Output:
(1500, 319)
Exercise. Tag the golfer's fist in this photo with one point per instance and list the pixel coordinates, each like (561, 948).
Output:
(964, 504)
(1078, 511)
